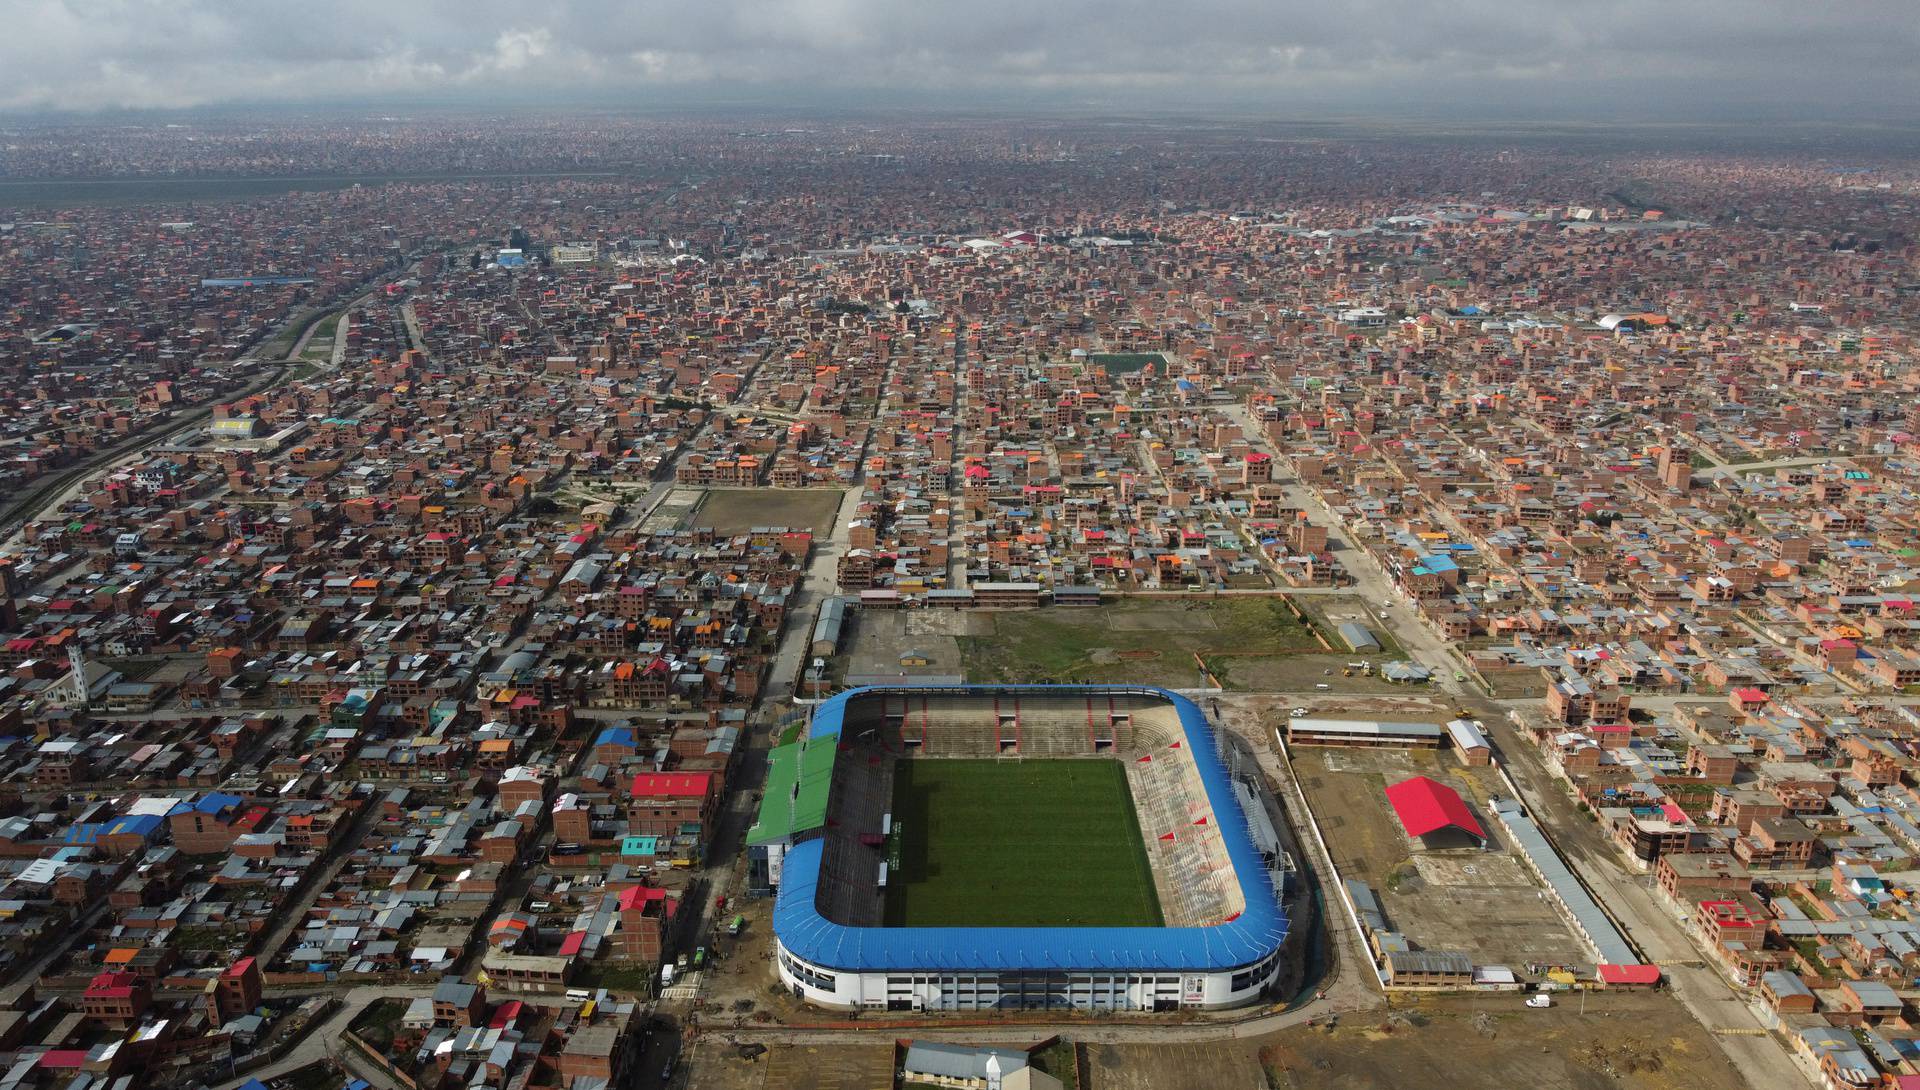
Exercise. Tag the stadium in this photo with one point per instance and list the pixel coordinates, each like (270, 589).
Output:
(1017, 847)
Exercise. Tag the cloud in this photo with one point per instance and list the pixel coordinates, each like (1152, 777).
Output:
(1589, 58)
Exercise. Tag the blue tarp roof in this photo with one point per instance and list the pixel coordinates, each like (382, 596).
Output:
(143, 824)
(1258, 931)
(86, 832)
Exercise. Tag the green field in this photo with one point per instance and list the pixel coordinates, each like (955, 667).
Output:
(1126, 363)
(988, 843)
(1144, 641)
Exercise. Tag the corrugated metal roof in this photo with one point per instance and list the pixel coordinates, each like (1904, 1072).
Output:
(959, 1061)
(1427, 806)
(1358, 637)
(1599, 930)
(795, 799)
(1466, 734)
(1312, 725)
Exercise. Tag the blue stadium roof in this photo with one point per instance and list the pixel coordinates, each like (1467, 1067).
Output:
(1258, 931)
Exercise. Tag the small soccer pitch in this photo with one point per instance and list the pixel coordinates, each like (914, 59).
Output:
(1017, 843)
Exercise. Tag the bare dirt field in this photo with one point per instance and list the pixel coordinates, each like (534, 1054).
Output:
(849, 1067)
(1621, 1041)
(1484, 903)
(1222, 1066)
(1516, 684)
(673, 509)
(1624, 1041)
(864, 1065)
(736, 510)
(1300, 674)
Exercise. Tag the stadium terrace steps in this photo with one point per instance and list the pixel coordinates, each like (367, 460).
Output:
(1192, 873)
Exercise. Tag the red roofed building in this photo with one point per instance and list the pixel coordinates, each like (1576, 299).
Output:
(235, 992)
(671, 804)
(1426, 807)
(1838, 654)
(118, 999)
(1258, 469)
(1628, 976)
(645, 913)
(506, 1014)
(1721, 920)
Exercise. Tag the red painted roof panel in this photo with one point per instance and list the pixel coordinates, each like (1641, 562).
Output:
(1426, 806)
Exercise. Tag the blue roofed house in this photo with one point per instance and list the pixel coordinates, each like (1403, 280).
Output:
(129, 834)
(615, 745)
(206, 824)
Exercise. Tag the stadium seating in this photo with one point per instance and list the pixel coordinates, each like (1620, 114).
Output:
(1191, 871)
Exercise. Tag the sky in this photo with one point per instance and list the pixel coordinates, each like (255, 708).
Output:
(1600, 59)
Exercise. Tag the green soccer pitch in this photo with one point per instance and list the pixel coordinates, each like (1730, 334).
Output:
(1018, 843)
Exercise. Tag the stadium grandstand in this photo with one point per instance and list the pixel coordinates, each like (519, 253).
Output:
(1017, 847)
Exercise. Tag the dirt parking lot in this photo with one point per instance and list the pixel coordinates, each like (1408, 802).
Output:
(1484, 903)
(879, 637)
(1303, 674)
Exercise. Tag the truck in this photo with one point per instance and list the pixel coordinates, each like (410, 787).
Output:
(739, 923)
(666, 975)
(1542, 1000)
